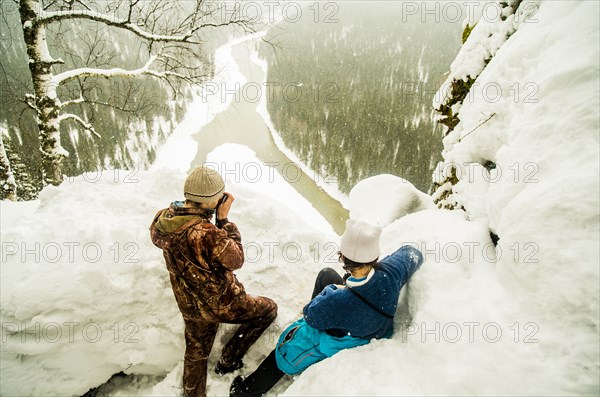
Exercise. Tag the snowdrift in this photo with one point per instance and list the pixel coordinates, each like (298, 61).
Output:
(382, 199)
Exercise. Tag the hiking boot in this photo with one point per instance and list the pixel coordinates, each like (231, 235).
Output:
(236, 386)
(222, 369)
(237, 389)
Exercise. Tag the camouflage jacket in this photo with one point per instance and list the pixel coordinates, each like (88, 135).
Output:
(200, 259)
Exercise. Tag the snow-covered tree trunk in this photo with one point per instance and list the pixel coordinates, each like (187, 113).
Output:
(45, 101)
(7, 178)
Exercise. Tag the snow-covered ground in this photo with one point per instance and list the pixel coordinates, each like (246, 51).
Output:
(84, 294)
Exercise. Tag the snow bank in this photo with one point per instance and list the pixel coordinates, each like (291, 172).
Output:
(85, 293)
(382, 199)
(541, 194)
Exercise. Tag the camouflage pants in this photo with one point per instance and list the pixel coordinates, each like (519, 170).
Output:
(254, 314)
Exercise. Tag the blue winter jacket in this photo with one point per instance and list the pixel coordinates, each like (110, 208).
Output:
(310, 340)
(340, 309)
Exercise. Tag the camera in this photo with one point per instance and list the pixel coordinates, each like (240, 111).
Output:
(223, 198)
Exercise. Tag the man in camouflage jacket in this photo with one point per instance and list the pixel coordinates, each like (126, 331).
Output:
(201, 258)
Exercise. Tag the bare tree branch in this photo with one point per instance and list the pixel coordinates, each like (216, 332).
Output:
(47, 17)
(50, 5)
(83, 4)
(64, 77)
(77, 101)
(82, 100)
(30, 101)
(86, 126)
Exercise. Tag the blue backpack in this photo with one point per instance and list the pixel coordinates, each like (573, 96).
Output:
(299, 346)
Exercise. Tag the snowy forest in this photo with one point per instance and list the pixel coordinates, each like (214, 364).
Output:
(364, 101)
(468, 131)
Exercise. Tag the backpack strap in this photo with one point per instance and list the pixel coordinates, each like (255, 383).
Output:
(372, 306)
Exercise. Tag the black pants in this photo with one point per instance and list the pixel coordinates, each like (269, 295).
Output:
(326, 277)
(268, 374)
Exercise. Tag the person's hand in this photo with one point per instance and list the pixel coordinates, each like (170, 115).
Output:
(225, 206)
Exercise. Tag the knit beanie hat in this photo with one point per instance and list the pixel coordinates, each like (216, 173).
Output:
(360, 242)
(203, 185)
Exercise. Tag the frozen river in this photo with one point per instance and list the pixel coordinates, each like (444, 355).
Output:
(242, 123)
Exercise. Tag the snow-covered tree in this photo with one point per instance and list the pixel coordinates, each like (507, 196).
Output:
(16, 181)
(8, 186)
(169, 29)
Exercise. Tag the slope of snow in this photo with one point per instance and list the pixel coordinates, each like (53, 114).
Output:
(84, 291)
(542, 197)
(382, 199)
(258, 176)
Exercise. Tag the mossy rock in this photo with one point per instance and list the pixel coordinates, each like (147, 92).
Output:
(453, 179)
(467, 32)
(459, 89)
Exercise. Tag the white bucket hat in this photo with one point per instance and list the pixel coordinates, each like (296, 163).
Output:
(360, 242)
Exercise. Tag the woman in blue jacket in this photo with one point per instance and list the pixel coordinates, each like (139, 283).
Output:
(343, 313)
